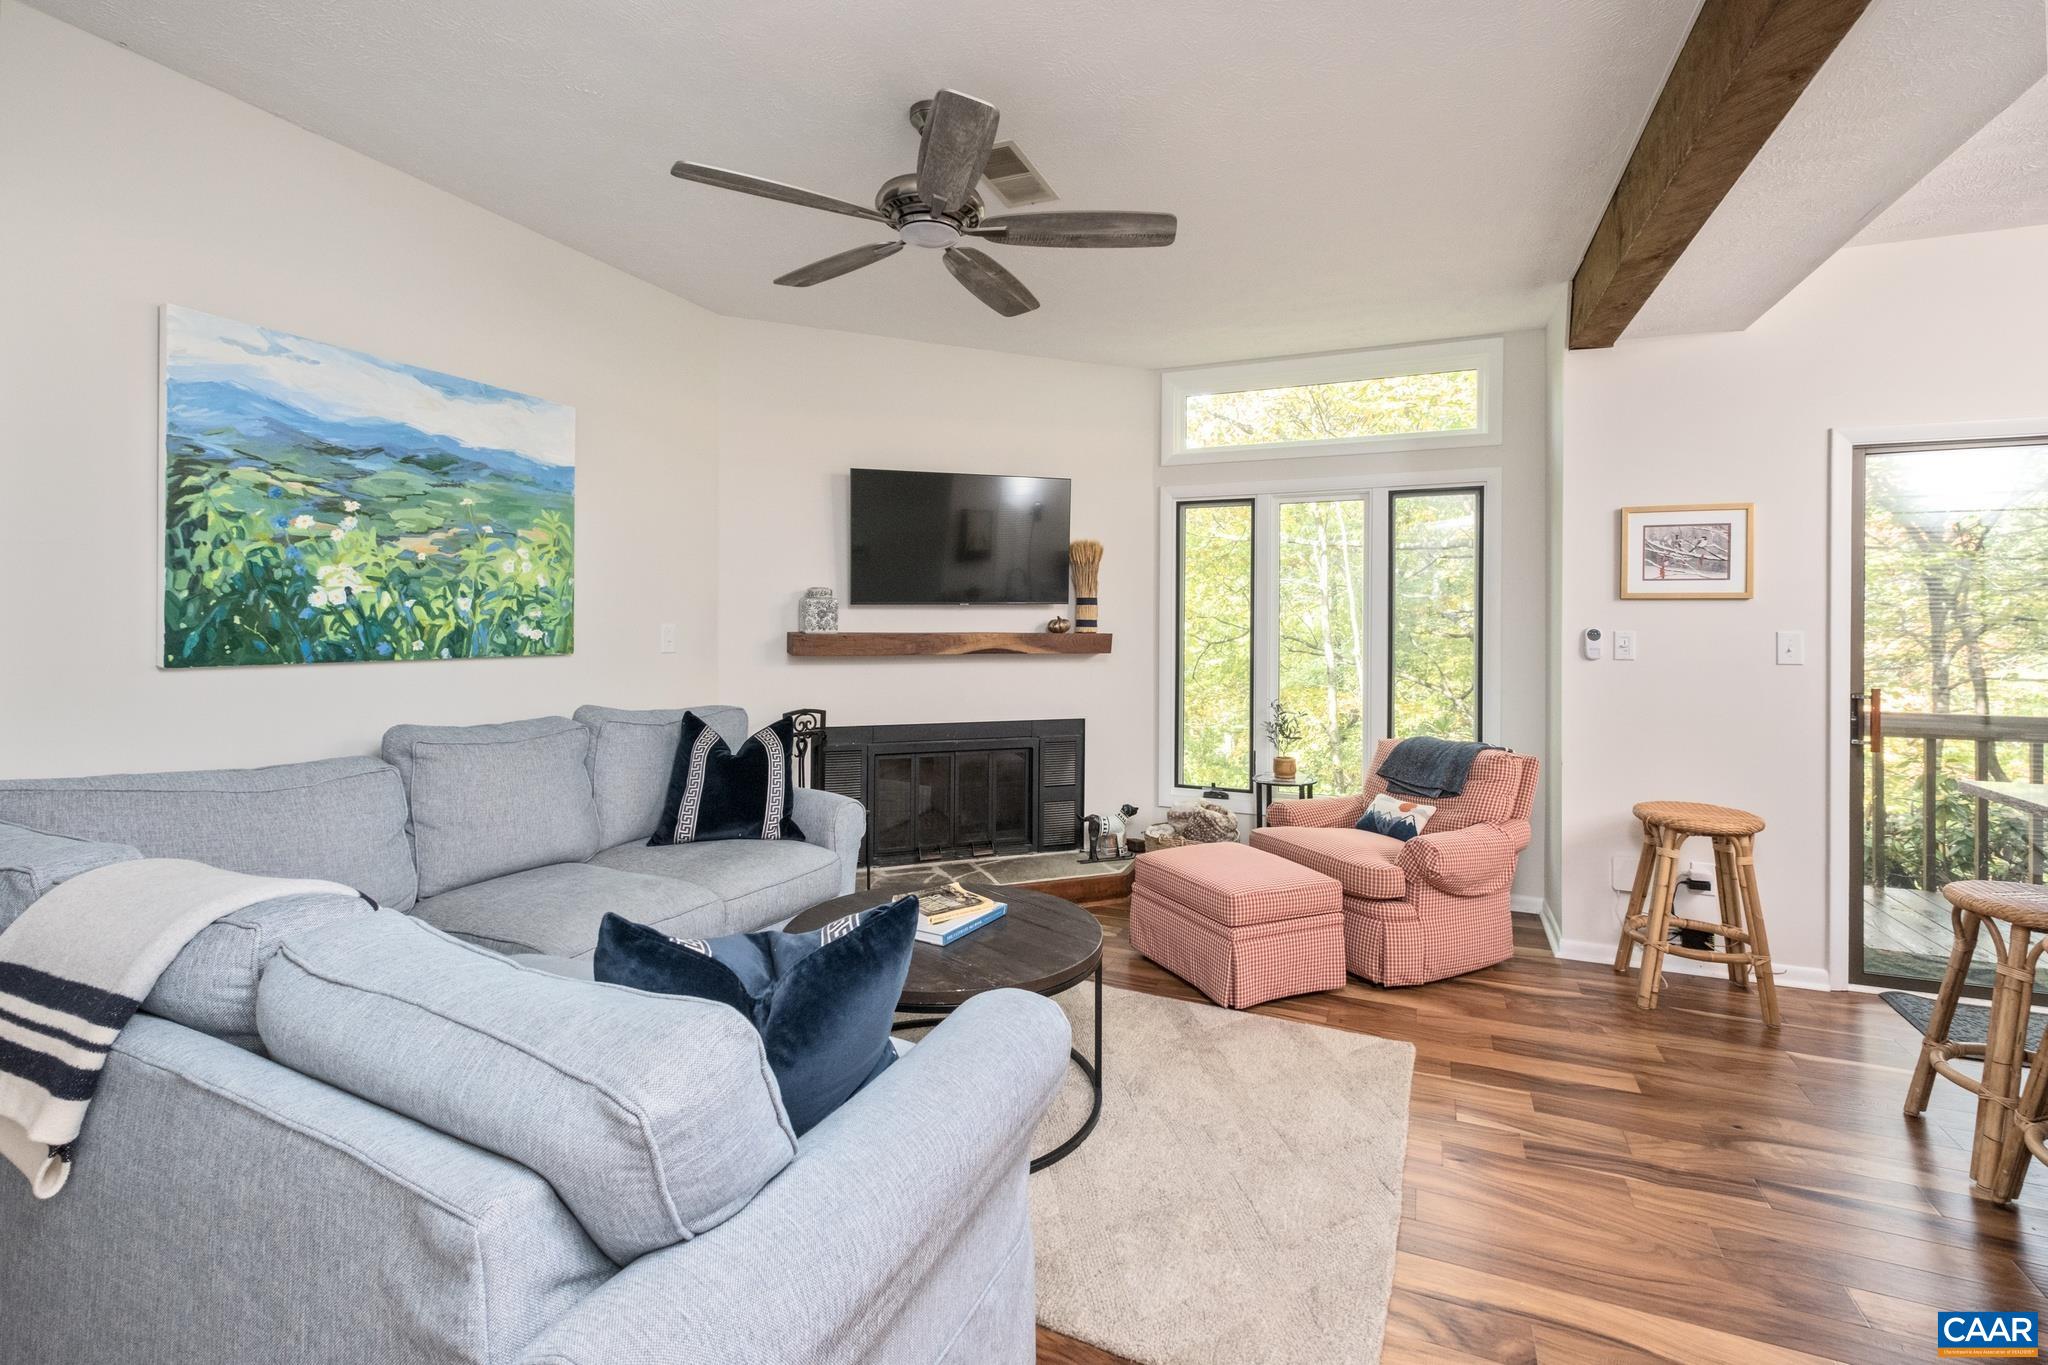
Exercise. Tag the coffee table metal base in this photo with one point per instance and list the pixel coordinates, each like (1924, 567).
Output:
(1091, 1069)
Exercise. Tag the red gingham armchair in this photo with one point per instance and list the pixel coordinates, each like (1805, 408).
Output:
(1432, 907)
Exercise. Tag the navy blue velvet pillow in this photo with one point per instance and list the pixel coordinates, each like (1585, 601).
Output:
(715, 792)
(823, 1001)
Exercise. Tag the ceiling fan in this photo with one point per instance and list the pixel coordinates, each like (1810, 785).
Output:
(936, 206)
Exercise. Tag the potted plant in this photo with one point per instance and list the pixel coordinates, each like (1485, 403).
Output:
(1283, 732)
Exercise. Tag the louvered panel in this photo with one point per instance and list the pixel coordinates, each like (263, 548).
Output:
(1060, 826)
(844, 771)
(1062, 762)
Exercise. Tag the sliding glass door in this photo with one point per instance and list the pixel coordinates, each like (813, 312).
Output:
(1949, 680)
(1359, 611)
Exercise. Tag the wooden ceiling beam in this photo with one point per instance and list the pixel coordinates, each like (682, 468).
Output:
(1741, 69)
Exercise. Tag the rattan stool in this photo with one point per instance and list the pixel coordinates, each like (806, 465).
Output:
(1649, 921)
(2009, 1124)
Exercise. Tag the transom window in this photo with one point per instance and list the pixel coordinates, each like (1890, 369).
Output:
(1409, 396)
(1362, 609)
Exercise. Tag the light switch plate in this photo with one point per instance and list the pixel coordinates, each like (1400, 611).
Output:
(1624, 646)
(668, 640)
(1791, 646)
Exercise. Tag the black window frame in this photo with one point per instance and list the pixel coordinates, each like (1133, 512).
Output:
(1180, 643)
(1478, 493)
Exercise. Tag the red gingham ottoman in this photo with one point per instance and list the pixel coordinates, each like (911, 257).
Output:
(1242, 925)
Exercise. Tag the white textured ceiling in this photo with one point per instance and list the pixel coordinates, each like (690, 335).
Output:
(1906, 87)
(1998, 179)
(1347, 172)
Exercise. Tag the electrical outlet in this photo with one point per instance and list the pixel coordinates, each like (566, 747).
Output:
(668, 640)
(1624, 646)
(1791, 646)
(1622, 871)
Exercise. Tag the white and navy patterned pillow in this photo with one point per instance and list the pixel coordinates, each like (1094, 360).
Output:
(1394, 816)
(720, 793)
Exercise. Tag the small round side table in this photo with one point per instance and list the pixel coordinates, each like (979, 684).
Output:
(1262, 793)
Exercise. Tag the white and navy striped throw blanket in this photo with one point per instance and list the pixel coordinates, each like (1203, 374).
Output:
(74, 966)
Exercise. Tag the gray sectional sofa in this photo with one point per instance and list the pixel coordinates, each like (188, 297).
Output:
(343, 1134)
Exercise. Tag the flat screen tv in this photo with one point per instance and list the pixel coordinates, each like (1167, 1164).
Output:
(958, 539)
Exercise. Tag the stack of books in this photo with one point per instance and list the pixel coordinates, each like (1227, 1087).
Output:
(945, 913)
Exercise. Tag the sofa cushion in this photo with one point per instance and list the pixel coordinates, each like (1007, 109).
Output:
(654, 1117)
(211, 983)
(492, 799)
(823, 1001)
(1367, 865)
(339, 820)
(555, 910)
(631, 756)
(1235, 886)
(762, 882)
(31, 863)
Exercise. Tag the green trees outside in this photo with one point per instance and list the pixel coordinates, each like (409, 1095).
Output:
(1955, 613)
(1402, 404)
(1318, 636)
(1215, 645)
(1436, 614)
(1321, 627)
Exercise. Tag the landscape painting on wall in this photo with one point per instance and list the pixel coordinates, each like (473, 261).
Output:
(325, 506)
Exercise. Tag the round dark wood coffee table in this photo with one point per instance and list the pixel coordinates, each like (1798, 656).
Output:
(1041, 943)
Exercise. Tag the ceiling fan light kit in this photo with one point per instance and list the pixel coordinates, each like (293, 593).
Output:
(937, 207)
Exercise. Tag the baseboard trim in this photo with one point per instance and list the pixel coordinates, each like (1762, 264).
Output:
(1792, 977)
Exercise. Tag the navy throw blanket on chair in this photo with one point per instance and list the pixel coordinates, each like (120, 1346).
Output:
(1431, 767)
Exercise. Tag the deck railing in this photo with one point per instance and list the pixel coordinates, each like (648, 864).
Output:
(1933, 731)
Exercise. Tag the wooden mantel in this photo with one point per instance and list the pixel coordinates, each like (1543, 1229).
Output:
(893, 644)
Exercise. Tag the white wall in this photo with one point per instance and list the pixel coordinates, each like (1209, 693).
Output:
(124, 186)
(798, 407)
(1523, 635)
(1939, 331)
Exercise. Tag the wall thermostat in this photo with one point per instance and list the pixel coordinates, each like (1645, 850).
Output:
(1590, 642)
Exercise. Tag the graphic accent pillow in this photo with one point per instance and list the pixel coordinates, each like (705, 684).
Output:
(1395, 817)
(822, 1001)
(717, 793)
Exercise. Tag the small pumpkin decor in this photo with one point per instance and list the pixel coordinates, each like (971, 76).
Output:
(1283, 731)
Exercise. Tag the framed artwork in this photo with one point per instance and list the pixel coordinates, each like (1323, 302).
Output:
(321, 505)
(1694, 552)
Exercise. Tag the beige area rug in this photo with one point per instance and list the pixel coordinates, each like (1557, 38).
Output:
(1240, 1198)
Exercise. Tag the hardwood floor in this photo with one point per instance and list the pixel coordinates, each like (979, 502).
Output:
(1586, 1182)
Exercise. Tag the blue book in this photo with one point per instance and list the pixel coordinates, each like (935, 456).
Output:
(943, 934)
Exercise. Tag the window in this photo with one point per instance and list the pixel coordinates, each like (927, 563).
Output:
(1402, 397)
(1214, 744)
(1433, 644)
(1396, 405)
(1361, 608)
(1320, 630)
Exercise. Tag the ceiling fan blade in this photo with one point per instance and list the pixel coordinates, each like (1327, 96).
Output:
(832, 267)
(770, 189)
(1080, 229)
(989, 282)
(959, 130)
